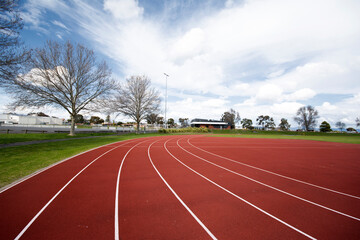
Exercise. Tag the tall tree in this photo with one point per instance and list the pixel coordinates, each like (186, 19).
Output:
(325, 127)
(357, 120)
(96, 120)
(184, 122)
(247, 123)
(340, 125)
(171, 122)
(266, 122)
(12, 55)
(61, 75)
(284, 125)
(160, 120)
(306, 117)
(136, 98)
(151, 118)
(79, 118)
(231, 117)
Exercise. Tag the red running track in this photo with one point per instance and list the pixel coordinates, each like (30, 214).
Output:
(192, 187)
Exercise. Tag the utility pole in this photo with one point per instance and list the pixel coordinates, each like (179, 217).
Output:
(166, 77)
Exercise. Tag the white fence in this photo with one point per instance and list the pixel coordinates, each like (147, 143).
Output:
(35, 126)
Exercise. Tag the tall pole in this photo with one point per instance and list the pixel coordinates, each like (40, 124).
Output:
(166, 77)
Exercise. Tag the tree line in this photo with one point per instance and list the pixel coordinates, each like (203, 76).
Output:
(306, 117)
(66, 75)
(69, 76)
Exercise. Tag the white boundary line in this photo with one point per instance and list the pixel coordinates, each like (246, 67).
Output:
(117, 236)
(279, 175)
(7, 187)
(178, 198)
(53, 198)
(274, 188)
(233, 194)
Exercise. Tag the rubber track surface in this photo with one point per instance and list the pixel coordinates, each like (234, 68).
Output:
(192, 187)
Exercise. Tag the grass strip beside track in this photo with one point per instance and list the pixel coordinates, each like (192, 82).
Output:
(22, 137)
(18, 162)
(355, 139)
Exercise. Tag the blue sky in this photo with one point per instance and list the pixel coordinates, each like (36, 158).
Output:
(257, 56)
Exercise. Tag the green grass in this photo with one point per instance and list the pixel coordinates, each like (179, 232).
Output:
(17, 162)
(22, 137)
(316, 136)
(355, 139)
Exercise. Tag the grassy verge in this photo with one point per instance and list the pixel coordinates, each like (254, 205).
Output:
(22, 137)
(17, 162)
(355, 139)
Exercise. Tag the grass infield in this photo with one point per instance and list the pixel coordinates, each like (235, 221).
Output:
(22, 137)
(20, 161)
(355, 139)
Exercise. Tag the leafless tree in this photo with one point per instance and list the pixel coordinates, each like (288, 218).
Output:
(61, 75)
(136, 99)
(306, 117)
(151, 118)
(340, 125)
(12, 55)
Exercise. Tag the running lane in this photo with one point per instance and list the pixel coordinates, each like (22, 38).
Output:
(314, 220)
(226, 216)
(147, 207)
(305, 160)
(325, 197)
(73, 213)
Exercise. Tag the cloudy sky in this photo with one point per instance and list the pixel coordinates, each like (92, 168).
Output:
(255, 56)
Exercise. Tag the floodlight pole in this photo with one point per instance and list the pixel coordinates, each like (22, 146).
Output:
(166, 77)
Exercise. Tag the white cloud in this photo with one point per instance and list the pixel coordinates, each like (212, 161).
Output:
(269, 93)
(302, 94)
(60, 24)
(124, 10)
(277, 53)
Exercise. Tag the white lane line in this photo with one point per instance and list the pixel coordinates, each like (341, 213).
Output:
(233, 194)
(269, 186)
(117, 233)
(53, 198)
(52, 165)
(178, 198)
(279, 175)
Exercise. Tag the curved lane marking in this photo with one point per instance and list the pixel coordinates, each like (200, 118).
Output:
(238, 197)
(279, 175)
(178, 198)
(269, 186)
(53, 198)
(11, 185)
(117, 232)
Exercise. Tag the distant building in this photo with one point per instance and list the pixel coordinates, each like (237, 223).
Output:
(209, 123)
(29, 120)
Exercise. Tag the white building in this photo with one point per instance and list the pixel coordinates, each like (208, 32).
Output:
(29, 120)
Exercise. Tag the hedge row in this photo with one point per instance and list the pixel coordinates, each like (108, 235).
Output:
(184, 130)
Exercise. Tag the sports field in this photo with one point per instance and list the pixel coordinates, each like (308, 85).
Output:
(192, 187)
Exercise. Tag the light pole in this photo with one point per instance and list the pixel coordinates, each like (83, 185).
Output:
(166, 77)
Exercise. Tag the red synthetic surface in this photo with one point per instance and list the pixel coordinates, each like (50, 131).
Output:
(208, 174)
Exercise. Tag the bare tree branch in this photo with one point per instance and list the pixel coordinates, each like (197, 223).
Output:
(136, 99)
(61, 75)
(306, 117)
(12, 55)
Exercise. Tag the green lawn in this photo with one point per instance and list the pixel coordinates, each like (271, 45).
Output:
(22, 137)
(330, 138)
(17, 162)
